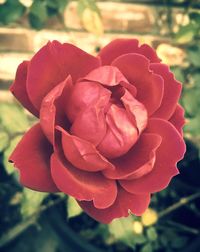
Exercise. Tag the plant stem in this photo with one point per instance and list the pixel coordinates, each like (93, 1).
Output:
(183, 201)
(22, 226)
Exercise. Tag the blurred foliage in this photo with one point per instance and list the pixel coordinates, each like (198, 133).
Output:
(73, 209)
(40, 11)
(189, 75)
(138, 233)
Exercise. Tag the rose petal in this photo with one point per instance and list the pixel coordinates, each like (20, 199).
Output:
(110, 76)
(82, 154)
(18, 88)
(52, 111)
(172, 91)
(149, 86)
(136, 109)
(171, 150)
(32, 158)
(83, 185)
(52, 64)
(121, 133)
(83, 95)
(90, 124)
(125, 201)
(138, 161)
(119, 47)
(177, 119)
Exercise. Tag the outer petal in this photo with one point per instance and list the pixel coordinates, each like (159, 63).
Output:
(171, 150)
(119, 47)
(125, 201)
(149, 86)
(138, 161)
(52, 64)
(172, 91)
(32, 158)
(52, 111)
(83, 185)
(82, 154)
(177, 119)
(18, 88)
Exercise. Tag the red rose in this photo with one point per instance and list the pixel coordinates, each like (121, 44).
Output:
(110, 127)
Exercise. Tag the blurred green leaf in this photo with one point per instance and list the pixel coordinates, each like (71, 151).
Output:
(73, 209)
(186, 33)
(12, 118)
(90, 16)
(195, 16)
(31, 201)
(152, 234)
(191, 101)
(4, 140)
(11, 11)
(194, 55)
(147, 248)
(179, 75)
(193, 126)
(56, 6)
(122, 230)
(9, 166)
(38, 14)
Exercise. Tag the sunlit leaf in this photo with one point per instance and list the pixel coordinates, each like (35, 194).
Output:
(38, 14)
(31, 202)
(13, 118)
(186, 33)
(4, 140)
(73, 209)
(8, 166)
(122, 230)
(90, 16)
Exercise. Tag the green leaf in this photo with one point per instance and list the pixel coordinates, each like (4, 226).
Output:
(11, 11)
(152, 234)
(179, 75)
(9, 166)
(38, 14)
(195, 16)
(12, 118)
(122, 230)
(186, 33)
(73, 209)
(31, 202)
(90, 16)
(193, 126)
(4, 140)
(194, 55)
(147, 248)
(191, 101)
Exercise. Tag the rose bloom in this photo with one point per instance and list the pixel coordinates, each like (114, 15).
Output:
(110, 127)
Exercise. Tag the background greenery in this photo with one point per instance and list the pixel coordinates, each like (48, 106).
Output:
(165, 226)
